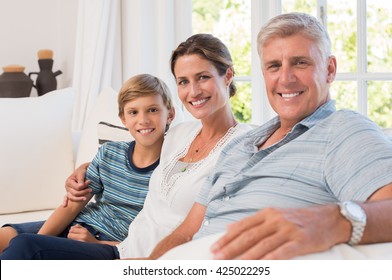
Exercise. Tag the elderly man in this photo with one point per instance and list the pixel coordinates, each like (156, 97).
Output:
(308, 179)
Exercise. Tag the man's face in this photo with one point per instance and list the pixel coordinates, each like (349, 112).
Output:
(297, 78)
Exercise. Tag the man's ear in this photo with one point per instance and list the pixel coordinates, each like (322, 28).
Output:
(331, 68)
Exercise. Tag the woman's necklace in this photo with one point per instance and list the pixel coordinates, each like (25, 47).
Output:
(199, 151)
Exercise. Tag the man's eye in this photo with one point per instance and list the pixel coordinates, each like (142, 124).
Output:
(273, 67)
(301, 63)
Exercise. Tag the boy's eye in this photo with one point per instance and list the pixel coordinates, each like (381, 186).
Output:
(132, 112)
(153, 110)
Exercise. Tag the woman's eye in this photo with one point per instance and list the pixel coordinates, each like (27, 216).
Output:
(203, 77)
(182, 82)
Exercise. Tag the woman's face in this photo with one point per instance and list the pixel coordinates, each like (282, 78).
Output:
(200, 87)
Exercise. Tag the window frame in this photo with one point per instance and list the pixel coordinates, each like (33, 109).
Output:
(262, 11)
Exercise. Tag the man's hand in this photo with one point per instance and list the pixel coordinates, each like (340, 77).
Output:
(76, 186)
(283, 234)
(77, 232)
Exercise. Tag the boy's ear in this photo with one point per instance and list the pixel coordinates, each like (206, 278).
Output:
(122, 118)
(170, 117)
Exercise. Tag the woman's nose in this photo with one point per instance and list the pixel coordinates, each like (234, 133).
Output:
(195, 90)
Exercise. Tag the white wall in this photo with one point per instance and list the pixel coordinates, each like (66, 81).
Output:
(27, 26)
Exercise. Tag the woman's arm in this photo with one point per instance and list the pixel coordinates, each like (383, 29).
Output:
(63, 216)
(183, 233)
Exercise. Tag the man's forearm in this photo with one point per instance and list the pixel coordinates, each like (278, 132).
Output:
(173, 240)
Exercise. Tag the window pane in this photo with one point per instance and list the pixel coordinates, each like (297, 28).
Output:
(379, 28)
(342, 28)
(380, 102)
(345, 94)
(230, 21)
(241, 103)
(303, 6)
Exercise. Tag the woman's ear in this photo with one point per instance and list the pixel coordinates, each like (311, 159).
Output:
(229, 75)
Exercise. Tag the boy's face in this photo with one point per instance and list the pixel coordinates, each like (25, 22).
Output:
(146, 119)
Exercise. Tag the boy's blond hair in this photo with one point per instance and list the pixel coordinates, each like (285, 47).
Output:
(143, 85)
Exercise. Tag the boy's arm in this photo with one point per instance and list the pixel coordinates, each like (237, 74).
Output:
(183, 233)
(62, 217)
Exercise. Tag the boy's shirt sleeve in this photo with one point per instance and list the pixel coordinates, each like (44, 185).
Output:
(93, 171)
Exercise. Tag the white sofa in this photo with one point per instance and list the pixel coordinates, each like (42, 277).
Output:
(39, 150)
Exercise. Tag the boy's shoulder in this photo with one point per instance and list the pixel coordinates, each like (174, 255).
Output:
(116, 145)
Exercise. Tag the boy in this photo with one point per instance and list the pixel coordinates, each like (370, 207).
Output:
(119, 174)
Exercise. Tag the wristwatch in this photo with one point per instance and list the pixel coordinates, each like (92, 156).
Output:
(355, 214)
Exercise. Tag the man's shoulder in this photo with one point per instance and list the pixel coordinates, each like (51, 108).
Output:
(347, 117)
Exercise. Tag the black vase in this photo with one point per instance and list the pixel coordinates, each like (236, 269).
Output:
(46, 79)
(15, 84)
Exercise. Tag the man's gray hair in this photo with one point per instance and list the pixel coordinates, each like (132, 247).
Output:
(285, 25)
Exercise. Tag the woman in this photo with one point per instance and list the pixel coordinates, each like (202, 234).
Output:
(203, 69)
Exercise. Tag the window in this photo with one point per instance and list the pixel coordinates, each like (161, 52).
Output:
(222, 18)
(360, 35)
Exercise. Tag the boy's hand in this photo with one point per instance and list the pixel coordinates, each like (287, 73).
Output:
(77, 232)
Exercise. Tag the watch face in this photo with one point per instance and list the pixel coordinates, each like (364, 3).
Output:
(355, 211)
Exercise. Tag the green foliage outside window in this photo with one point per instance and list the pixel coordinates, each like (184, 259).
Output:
(229, 20)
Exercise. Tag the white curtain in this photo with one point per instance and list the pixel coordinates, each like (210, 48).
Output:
(97, 55)
(117, 39)
(152, 29)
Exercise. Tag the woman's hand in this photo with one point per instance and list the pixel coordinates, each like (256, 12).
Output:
(76, 186)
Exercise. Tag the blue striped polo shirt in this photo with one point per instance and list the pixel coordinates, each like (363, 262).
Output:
(328, 157)
(120, 189)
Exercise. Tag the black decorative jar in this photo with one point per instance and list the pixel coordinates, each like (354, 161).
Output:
(46, 78)
(14, 82)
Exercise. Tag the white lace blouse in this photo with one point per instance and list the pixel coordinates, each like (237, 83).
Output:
(172, 194)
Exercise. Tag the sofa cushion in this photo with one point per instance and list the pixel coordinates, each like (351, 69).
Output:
(36, 150)
(105, 110)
